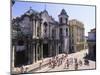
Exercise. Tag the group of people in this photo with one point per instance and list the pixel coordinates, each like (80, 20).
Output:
(21, 69)
(56, 61)
(59, 60)
(67, 61)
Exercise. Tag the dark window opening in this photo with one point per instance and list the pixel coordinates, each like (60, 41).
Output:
(20, 42)
(60, 20)
(45, 24)
(60, 35)
(66, 32)
(45, 50)
(45, 28)
(66, 20)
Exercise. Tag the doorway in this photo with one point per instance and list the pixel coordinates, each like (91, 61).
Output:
(20, 54)
(45, 50)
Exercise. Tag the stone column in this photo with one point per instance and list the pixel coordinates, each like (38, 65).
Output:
(48, 49)
(51, 49)
(57, 48)
(36, 52)
(29, 53)
(33, 53)
(41, 50)
(33, 29)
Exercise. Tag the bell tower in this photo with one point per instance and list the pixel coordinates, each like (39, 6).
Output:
(64, 31)
(63, 17)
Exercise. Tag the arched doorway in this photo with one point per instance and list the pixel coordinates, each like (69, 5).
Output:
(20, 54)
(45, 50)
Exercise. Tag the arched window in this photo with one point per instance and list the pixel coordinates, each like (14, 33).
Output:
(45, 24)
(66, 32)
(61, 20)
(45, 28)
(38, 30)
(66, 20)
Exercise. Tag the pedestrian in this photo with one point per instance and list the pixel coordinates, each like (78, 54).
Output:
(42, 60)
(65, 65)
(59, 62)
(75, 60)
(50, 63)
(71, 61)
(80, 62)
(26, 69)
(76, 66)
(18, 70)
(40, 65)
(22, 69)
(66, 55)
(67, 62)
(86, 62)
(53, 64)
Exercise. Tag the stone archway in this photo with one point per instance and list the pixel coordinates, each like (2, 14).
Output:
(20, 54)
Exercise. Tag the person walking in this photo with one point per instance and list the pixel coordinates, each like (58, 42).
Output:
(40, 64)
(80, 62)
(22, 69)
(67, 62)
(76, 66)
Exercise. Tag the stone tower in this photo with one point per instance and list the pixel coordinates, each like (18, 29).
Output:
(64, 31)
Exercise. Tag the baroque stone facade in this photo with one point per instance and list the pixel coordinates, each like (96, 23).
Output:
(36, 35)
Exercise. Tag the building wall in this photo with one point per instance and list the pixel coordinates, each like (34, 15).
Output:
(76, 29)
(92, 43)
(91, 36)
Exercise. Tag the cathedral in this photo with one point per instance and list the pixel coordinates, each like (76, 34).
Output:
(36, 35)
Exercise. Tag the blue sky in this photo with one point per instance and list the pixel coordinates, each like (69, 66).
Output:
(85, 14)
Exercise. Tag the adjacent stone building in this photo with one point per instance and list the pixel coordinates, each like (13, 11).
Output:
(92, 44)
(76, 30)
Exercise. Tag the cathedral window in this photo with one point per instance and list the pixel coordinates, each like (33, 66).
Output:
(60, 34)
(66, 32)
(66, 20)
(45, 28)
(61, 20)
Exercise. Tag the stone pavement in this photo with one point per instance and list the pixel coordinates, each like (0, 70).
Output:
(78, 55)
(44, 68)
